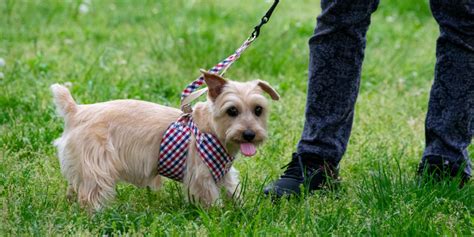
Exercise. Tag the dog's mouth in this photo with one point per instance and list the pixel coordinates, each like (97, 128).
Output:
(247, 149)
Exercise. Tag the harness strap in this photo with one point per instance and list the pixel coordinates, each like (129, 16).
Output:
(176, 143)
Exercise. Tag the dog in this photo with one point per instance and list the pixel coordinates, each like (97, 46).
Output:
(120, 140)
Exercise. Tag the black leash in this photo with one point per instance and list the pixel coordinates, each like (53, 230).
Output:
(264, 20)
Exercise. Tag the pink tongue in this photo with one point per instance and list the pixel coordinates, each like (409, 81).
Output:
(247, 149)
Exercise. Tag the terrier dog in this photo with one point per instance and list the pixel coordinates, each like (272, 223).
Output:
(121, 140)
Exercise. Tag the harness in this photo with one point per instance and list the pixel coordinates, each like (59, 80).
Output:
(175, 144)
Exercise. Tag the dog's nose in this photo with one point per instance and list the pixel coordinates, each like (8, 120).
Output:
(248, 135)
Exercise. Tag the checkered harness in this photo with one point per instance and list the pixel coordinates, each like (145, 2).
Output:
(175, 145)
(175, 148)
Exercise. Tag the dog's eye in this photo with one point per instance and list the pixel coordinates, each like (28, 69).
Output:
(258, 110)
(232, 111)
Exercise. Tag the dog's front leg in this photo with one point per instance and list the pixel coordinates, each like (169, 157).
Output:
(199, 185)
(231, 184)
(201, 188)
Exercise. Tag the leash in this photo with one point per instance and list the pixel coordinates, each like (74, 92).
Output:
(189, 94)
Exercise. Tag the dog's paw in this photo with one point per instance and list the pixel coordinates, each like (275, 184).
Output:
(71, 195)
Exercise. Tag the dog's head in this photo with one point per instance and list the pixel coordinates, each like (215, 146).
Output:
(239, 111)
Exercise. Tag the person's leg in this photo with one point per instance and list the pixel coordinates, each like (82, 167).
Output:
(336, 55)
(450, 118)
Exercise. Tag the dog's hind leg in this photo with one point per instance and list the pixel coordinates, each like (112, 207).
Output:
(70, 166)
(70, 193)
(93, 195)
(155, 183)
(99, 174)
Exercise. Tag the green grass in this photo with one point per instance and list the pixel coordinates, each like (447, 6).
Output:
(150, 50)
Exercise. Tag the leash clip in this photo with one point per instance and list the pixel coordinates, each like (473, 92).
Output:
(187, 109)
(186, 102)
(264, 20)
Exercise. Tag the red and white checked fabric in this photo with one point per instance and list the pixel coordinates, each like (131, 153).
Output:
(175, 145)
(220, 68)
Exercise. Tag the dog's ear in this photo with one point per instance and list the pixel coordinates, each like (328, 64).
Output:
(268, 89)
(215, 83)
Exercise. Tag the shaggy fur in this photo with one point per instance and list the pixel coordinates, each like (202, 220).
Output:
(119, 140)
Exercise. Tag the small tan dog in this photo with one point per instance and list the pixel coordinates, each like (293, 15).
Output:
(119, 140)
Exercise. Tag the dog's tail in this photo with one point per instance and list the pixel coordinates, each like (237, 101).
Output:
(65, 104)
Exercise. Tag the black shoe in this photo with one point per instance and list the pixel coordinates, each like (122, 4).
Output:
(438, 169)
(305, 173)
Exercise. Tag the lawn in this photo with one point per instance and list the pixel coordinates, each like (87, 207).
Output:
(150, 50)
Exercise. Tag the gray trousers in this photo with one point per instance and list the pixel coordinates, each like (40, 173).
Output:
(336, 56)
